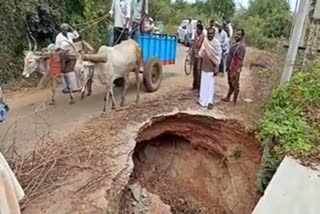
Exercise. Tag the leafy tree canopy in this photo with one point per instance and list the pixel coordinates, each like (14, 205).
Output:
(265, 21)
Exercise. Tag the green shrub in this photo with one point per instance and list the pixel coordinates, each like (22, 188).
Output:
(267, 170)
(292, 119)
(41, 17)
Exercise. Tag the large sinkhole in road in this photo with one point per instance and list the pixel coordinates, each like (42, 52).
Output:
(198, 164)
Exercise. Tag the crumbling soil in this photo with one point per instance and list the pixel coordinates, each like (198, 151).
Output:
(198, 165)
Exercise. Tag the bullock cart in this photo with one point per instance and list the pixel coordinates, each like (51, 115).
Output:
(158, 50)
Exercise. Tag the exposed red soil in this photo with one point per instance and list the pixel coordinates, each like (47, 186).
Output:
(198, 164)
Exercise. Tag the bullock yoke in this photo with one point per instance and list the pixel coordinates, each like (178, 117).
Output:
(81, 46)
(95, 58)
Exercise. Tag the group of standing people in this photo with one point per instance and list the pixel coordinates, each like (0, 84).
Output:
(214, 53)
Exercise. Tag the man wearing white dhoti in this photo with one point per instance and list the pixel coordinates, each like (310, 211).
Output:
(210, 53)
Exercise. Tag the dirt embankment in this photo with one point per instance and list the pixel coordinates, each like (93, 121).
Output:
(198, 164)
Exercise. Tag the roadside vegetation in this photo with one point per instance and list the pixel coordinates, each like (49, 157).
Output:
(291, 124)
(265, 22)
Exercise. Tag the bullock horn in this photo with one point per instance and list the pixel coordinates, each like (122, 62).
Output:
(29, 42)
(35, 43)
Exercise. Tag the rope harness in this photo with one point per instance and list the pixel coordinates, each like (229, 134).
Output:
(100, 19)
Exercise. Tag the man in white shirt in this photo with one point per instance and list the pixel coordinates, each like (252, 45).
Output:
(63, 41)
(64, 38)
(122, 14)
(224, 40)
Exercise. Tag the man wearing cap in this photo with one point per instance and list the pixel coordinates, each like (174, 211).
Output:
(224, 40)
(63, 41)
(64, 38)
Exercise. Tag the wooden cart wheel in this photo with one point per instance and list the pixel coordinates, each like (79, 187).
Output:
(152, 74)
(188, 64)
(119, 82)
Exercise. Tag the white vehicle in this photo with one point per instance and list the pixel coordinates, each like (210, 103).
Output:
(182, 31)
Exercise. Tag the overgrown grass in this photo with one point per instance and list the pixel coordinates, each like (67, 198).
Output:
(292, 119)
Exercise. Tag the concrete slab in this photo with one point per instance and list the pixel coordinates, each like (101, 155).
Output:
(294, 189)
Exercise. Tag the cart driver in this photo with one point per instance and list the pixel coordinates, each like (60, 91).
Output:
(64, 38)
(63, 41)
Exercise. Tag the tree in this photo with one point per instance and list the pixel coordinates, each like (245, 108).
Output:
(221, 8)
(267, 8)
(276, 14)
(161, 10)
(265, 21)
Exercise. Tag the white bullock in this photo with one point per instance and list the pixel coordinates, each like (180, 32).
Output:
(36, 62)
(109, 64)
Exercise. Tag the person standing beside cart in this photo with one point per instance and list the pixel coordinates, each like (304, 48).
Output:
(64, 38)
(122, 15)
(137, 16)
